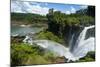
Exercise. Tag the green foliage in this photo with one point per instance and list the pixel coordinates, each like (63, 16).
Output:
(21, 52)
(49, 36)
(86, 20)
(35, 59)
(49, 55)
(25, 54)
(72, 21)
(28, 18)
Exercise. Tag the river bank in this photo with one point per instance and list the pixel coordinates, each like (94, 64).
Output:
(26, 24)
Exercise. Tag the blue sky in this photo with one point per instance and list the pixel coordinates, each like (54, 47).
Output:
(43, 7)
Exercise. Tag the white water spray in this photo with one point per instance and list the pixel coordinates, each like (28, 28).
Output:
(81, 48)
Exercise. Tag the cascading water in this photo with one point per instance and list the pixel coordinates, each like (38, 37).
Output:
(81, 48)
(82, 35)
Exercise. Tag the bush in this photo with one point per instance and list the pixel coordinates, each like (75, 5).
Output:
(20, 53)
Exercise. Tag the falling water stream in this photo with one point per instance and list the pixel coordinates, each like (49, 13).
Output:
(81, 47)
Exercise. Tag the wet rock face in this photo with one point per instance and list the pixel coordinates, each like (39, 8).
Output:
(90, 33)
(69, 31)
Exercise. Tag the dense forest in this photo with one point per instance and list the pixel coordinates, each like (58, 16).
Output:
(61, 27)
(27, 18)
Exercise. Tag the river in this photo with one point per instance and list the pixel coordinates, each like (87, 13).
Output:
(23, 30)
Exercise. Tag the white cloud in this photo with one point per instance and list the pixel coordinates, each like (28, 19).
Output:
(39, 10)
(28, 7)
(15, 7)
(73, 10)
(84, 7)
(68, 12)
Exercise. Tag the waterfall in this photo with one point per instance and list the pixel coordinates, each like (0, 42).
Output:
(82, 35)
(81, 47)
(71, 42)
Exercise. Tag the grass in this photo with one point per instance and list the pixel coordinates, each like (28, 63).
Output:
(49, 36)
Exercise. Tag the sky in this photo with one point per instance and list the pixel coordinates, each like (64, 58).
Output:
(43, 7)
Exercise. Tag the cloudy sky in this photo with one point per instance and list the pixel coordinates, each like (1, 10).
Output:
(43, 7)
